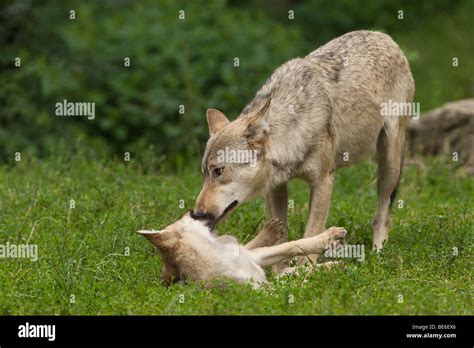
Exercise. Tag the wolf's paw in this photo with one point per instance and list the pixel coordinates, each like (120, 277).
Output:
(336, 235)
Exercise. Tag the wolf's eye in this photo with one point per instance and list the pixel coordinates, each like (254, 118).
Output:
(218, 171)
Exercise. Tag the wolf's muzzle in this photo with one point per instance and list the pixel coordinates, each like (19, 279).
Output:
(201, 215)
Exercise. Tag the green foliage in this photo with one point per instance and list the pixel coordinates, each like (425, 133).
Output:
(329, 19)
(173, 62)
(431, 52)
(191, 62)
(83, 251)
(430, 33)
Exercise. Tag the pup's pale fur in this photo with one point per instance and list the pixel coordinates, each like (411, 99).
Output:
(191, 251)
(312, 116)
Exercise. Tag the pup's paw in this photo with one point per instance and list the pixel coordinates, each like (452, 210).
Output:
(337, 235)
(275, 228)
(329, 264)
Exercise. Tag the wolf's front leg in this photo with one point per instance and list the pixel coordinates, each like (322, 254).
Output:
(277, 205)
(320, 200)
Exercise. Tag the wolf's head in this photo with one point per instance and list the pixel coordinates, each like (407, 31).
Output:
(233, 166)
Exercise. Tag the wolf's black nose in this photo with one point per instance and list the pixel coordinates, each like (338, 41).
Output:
(201, 215)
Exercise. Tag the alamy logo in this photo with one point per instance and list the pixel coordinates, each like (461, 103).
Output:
(19, 251)
(227, 156)
(354, 251)
(37, 331)
(66, 108)
(392, 108)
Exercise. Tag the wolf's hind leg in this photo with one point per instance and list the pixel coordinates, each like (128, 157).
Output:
(389, 162)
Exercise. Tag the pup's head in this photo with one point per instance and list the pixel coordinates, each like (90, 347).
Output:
(233, 166)
(166, 240)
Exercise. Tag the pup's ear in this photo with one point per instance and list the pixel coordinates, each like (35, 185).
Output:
(257, 126)
(216, 120)
(155, 237)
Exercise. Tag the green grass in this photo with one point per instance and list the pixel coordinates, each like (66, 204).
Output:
(82, 251)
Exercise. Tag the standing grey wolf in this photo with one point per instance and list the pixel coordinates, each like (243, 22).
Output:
(190, 250)
(312, 116)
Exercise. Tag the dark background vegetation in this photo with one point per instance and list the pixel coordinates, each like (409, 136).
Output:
(190, 62)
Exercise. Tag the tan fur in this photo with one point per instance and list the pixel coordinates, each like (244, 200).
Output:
(313, 116)
(190, 251)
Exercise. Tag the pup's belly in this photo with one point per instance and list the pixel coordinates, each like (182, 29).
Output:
(240, 265)
(206, 259)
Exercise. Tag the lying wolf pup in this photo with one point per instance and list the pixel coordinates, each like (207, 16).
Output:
(190, 250)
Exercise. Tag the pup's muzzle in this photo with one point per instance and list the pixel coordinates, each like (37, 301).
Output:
(208, 218)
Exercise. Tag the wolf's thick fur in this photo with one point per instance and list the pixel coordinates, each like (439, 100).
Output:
(191, 251)
(312, 116)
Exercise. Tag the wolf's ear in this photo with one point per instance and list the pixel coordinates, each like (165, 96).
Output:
(155, 237)
(257, 126)
(216, 120)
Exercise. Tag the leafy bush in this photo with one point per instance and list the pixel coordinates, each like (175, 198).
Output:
(322, 20)
(189, 62)
(173, 62)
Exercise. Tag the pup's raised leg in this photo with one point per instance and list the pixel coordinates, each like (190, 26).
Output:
(268, 256)
(271, 234)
